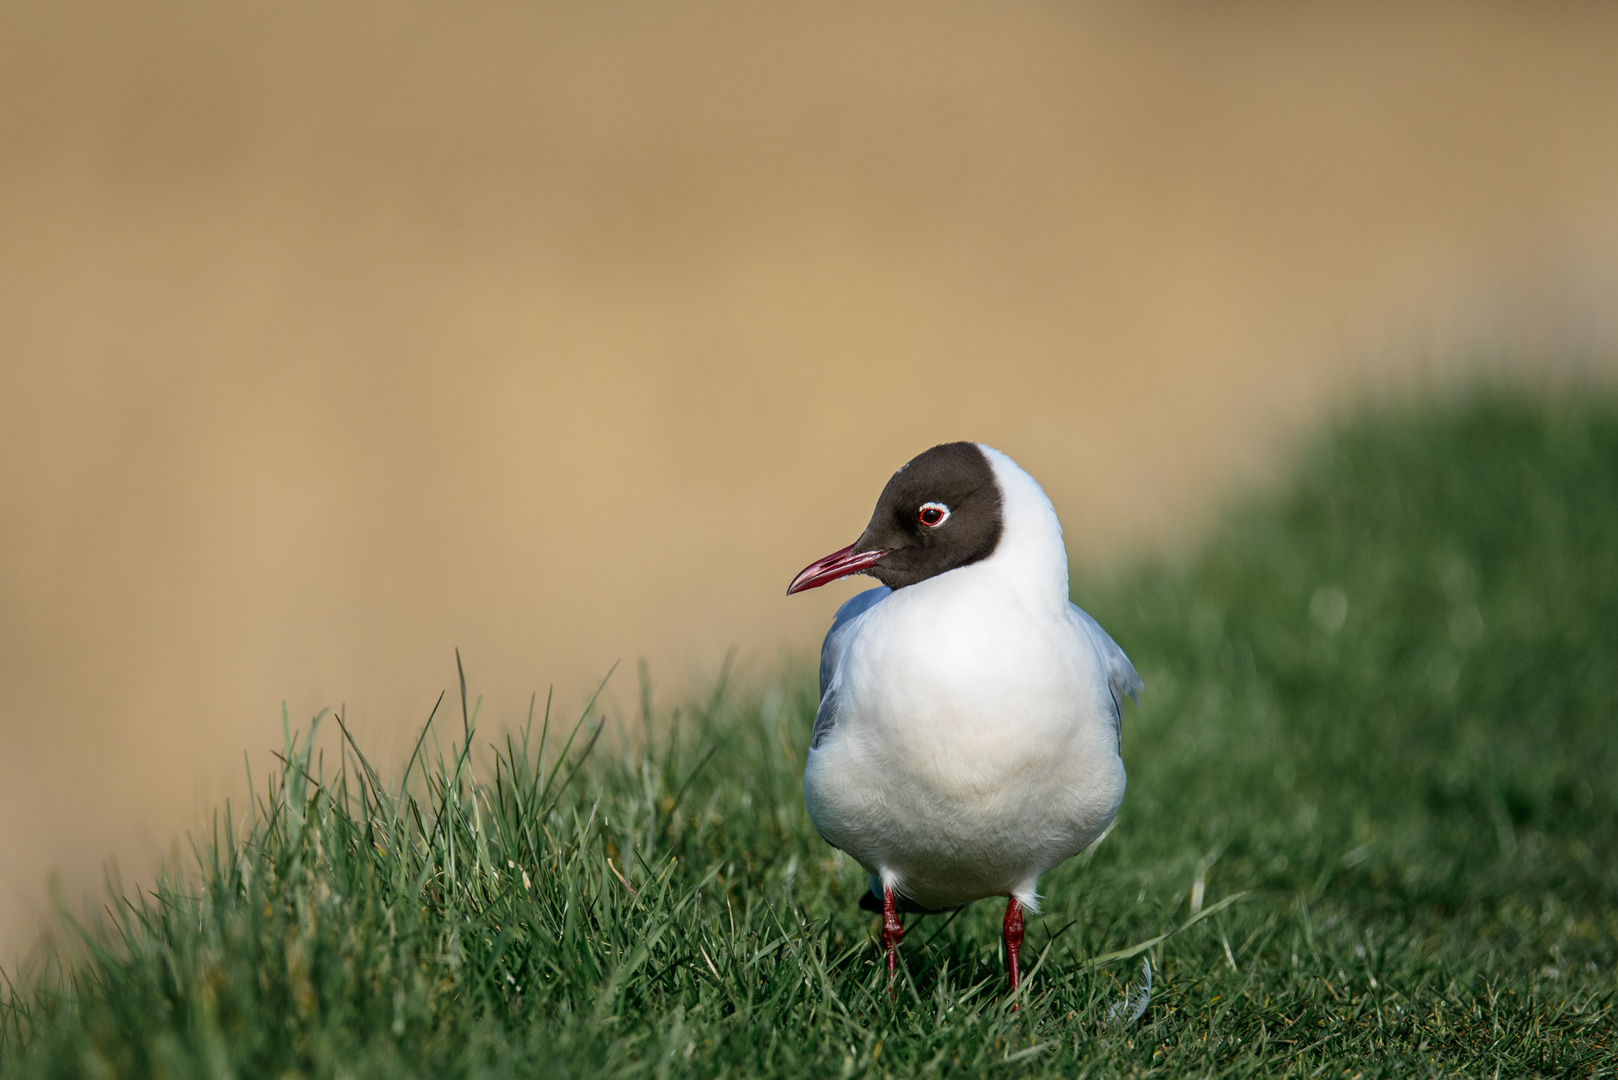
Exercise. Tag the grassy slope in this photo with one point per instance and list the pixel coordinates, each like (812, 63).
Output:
(1413, 789)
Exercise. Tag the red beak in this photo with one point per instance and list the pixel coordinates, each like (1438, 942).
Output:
(837, 564)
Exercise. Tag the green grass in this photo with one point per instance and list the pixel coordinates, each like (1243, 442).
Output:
(1378, 728)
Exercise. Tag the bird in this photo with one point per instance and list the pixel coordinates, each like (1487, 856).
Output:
(968, 738)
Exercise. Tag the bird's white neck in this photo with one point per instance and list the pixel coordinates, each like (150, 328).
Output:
(1030, 555)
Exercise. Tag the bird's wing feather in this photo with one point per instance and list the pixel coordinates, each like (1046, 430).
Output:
(1122, 677)
(831, 654)
(825, 719)
(831, 651)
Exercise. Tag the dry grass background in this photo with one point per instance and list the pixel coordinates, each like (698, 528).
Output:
(333, 337)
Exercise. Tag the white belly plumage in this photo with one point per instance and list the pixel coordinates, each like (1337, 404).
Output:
(961, 758)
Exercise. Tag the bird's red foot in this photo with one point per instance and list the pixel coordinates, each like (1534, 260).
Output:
(1013, 931)
(893, 931)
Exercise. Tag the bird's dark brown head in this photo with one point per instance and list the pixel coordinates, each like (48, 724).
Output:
(940, 511)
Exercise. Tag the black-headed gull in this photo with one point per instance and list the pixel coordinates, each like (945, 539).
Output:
(968, 733)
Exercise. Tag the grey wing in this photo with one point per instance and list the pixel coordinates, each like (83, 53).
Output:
(1122, 677)
(825, 719)
(831, 652)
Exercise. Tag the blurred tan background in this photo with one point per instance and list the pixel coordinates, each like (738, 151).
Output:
(335, 336)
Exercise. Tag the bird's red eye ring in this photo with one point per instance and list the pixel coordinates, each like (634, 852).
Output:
(933, 514)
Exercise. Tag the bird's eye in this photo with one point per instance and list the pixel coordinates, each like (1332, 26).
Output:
(933, 514)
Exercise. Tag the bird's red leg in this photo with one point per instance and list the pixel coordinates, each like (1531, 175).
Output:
(892, 930)
(1013, 929)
